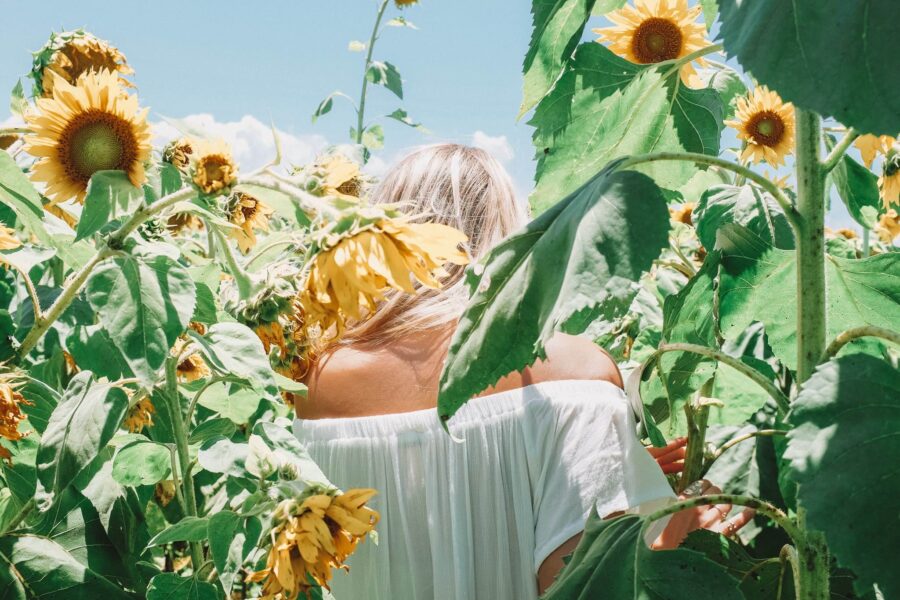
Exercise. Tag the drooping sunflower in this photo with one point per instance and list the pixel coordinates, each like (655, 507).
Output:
(870, 146)
(70, 54)
(248, 214)
(683, 213)
(181, 221)
(654, 31)
(889, 182)
(84, 128)
(847, 234)
(341, 177)
(8, 239)
(191, 367)
(311, 537)
(213, 168)
(766, 124)
(403, 3)
(888, 226)
(11, 401)
(272, 334)
(352, 273)
(178, 152)
(139, 416)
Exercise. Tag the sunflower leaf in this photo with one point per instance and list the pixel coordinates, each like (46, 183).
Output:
(171, 586)
(571, 265)
(17, 101)
(386, 74)
(830, 56)
(857, 187)
(110, 194)
(744, 205)
(605, 107)
(558, 25)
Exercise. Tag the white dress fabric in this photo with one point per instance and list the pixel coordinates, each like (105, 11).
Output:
(474, 515)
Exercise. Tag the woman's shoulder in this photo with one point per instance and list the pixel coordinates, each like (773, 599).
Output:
(568, 357)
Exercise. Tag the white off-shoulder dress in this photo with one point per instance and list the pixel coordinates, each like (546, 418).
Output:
(474, 519)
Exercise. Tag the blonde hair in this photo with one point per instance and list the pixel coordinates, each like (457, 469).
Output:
(452, 184)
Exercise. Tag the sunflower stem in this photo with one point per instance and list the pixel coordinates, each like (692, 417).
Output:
(790, 212)
(241, 277)
(845, 337)
(747, 436)
(761, 380)
(810, 245)
(32, 293)
(361, 111)
(837, 153)
(697, 413)
(20, 516)
(184, 456)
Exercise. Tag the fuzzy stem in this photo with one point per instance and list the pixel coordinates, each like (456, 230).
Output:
(697, 420)
(845, 337)
(865, 242)
(839, 150)
(776, 394)
(361, 111)
(20, 516)
(173, 455)
(184, 457)
(810, 245)
(241, 277)
(32, 292)
(747, 436)
(789, 211)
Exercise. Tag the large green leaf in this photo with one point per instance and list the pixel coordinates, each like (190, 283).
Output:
(171, 586)
(231, 541)
(759, 283)
(386, 74)
(86, 418)
(830, 56)
(110, 195)
(572, 264)
(613, 561)
(605, 107)
(744, 205)
(142, 462)
(36, 567)
(18, 193)
(857, 187)
(143, 306)
(842, 450)
(234, 402)
(558, 25)
(233, 349)
(189, 529)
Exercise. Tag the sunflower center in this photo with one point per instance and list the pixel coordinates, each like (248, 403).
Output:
(767, 128)
(656, 40)
(96, 141)
(349, 187)
(214, 168)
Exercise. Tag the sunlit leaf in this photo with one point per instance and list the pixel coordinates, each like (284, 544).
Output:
(386, 74)
(188, 529)
(110, 195)
(231, 541)
(171, 586)
(744, 205)
(142, 463)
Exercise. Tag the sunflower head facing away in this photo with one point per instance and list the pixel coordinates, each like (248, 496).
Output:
(70, 54)
(341, 177)
(191, 367)
(11, 401)
(889, 182)
(213, 169)
(84, 128)
(870, 146)
(178, 152)
(766, 124)
(249, 214)
(654, 31)
(353, 270)
(312, 536)
(888, 226)
(139, 416)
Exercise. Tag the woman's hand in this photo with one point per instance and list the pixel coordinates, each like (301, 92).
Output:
(713, 517)
(671, 457)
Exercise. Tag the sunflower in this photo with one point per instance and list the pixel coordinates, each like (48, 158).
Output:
(271, 334)
(654, 31)
(889, 182)
(181, 221)
(403, 3)
(248, 214)
(683, 213)
(8, 140)
(191, 367)
(84, 128)
(311, 537)
(164, 492)
(11, 401)
(213, 168)
(888, 226)
(139, 416)
(351, 274)
(766, 124)
(847, 234)
(870, 146)
(70, 54)
(178, 152)
(341, 177)
(8, 239)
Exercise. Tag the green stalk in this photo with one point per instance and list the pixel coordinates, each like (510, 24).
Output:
(810, 245)
(241, 277)
(837, 153)
(184, 457)
(845, 337)
(361, 111)
(697, 420)
(20, 516)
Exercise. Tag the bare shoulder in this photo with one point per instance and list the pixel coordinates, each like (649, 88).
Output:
(568, 357)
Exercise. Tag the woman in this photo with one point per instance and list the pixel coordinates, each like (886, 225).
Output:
(490, 511)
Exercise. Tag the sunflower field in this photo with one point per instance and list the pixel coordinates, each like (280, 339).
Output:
(160, 305)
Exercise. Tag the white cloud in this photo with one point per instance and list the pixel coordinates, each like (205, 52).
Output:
(250, 139)
(496, 145)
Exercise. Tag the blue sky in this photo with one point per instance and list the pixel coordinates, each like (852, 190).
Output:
(246, 63)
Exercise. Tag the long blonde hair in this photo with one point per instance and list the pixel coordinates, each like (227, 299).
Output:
(452, 184)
